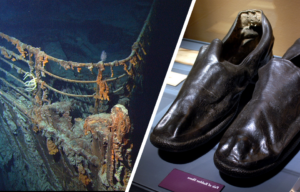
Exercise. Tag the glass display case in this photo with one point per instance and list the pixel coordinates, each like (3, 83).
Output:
(156, 164)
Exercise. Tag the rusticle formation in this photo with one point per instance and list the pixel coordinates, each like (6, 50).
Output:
(71, 131)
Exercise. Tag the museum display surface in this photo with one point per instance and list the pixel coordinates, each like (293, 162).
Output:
(259, 150)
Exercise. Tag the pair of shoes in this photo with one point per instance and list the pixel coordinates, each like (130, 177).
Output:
(210, 96)
(267, 130)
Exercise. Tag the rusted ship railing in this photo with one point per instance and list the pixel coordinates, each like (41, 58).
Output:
(37, 60)
(110, 148)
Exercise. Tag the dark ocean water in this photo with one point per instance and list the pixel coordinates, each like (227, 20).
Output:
(79, 31)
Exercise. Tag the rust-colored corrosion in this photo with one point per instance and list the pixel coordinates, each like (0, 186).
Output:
(77, 143)
(103, 88)
(51, 147)
(111, 133)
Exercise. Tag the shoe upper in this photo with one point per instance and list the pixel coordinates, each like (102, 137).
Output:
(209, 96)
(266, 129)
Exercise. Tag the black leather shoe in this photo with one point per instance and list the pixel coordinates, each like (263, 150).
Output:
(209, 97)
(268, 128)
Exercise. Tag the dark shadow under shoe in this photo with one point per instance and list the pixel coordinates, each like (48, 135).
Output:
(209, 97)
(267, 130)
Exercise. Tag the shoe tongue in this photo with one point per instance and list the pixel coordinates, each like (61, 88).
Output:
(293, 51)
